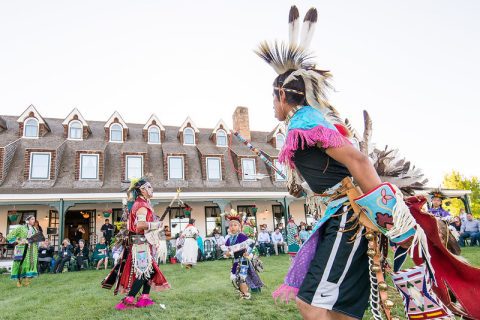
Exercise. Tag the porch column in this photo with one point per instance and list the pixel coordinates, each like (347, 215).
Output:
(222, 204)
(286, 211)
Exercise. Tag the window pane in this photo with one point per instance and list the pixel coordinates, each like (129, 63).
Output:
(75, 130)
(278, 215)
(116, 133)
(31, 128)
(280, 141)
(175, 168)
(134, 167)
(153, 135)
(281, 167)
(178, 221)
(40, 166)
(221, 138)
(248, 166)
(213, 169)
(188, 136)
(89, 165)
(212, 219)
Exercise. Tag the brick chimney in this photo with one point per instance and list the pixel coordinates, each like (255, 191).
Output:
(241, 122)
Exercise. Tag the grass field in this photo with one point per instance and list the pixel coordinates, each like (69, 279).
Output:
(201, 293)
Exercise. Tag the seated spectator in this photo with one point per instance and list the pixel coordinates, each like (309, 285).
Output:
(81, 254)
(219, 241)
(282, 229)
(264, 240)
(45, 256)
(64, 255)
(117, 251)
(457, 223)
(3, 245)
(470, 229)
(277, 240)
(100, 254)
(303, 234)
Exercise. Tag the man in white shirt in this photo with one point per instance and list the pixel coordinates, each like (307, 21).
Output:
(264, 240)
(277, 239)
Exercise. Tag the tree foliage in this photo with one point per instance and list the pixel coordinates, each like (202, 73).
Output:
(455, 180)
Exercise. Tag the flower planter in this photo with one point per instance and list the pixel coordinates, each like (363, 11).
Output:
(13, 217)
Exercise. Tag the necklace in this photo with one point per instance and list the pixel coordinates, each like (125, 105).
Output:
(291, 113)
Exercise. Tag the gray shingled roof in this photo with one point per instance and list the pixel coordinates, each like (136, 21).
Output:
(65, 182)
(3, 124)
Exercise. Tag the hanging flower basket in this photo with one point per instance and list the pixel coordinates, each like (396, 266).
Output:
(107, 213)
(254, 210)
(187, 211)
(13, 217)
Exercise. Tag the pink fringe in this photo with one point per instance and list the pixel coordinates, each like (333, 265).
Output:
(285, 293)
(298, 138)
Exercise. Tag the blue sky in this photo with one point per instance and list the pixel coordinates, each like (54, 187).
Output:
(412, 64)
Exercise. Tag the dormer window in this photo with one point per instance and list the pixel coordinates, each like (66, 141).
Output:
(154, 135)
(30, 128)
(116, 133)
(248, 169)
(221, 138)
(280, 141)
(75, 130)
(40, 165)
(188, 136)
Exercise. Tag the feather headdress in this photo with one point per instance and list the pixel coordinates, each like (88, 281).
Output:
(295, 56)
(234, 216)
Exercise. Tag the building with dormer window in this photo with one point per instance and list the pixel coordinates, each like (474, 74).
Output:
(72, 171)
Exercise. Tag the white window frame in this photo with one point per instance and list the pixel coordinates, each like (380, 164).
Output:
(110, 133)
(219, 168)
(25, 128)
(193, 134)
(98, 163)
(159, 135)
(226, 138)
(31, 164)
(69, 132)
(276, 140)
(277, 176)
(183, 167)
(244, 177)
(126, 164)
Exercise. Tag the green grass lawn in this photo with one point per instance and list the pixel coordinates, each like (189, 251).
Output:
(204, 292)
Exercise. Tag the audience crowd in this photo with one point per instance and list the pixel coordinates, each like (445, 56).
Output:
(79, 255)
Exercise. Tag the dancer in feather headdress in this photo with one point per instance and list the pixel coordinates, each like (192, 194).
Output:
(137, 269)
(337, 269)
(239, 247)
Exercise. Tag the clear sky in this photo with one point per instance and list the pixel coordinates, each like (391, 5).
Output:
(413, 64)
